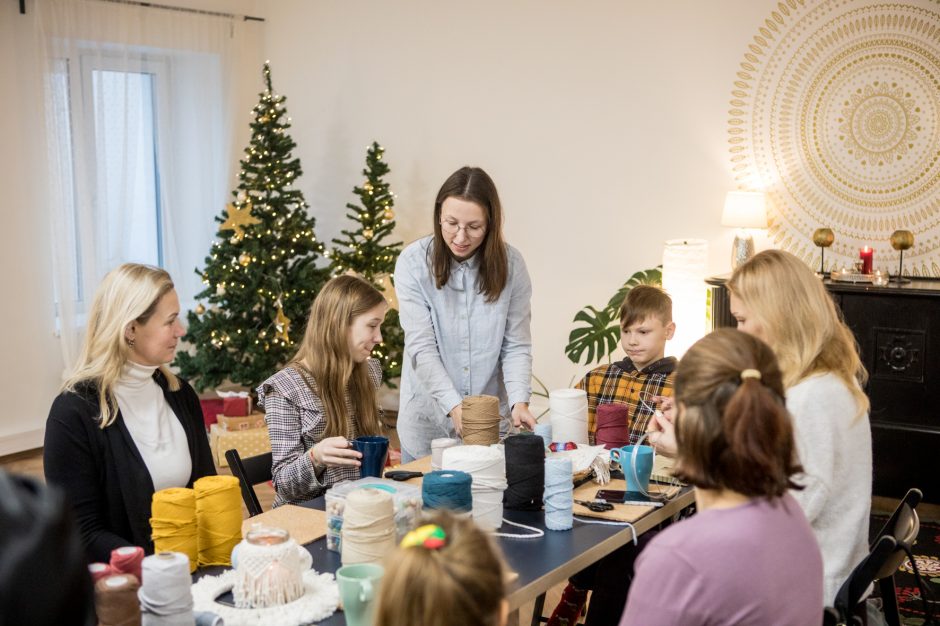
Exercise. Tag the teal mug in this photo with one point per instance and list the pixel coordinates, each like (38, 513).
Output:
(359, 588)
(637, 473)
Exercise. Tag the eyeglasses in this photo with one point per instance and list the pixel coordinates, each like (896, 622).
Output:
(471, 230)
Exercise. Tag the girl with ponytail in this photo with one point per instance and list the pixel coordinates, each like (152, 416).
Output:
(446, 573)
(749, 556)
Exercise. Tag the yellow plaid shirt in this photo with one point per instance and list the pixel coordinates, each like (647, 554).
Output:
(622, 383)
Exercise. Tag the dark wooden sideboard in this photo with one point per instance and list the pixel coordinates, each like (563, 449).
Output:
(898, 332)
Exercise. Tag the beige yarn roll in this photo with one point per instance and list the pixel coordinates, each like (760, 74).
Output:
(368, 532)
(480, 420)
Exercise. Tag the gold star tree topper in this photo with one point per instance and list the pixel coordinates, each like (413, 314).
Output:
(237, 219)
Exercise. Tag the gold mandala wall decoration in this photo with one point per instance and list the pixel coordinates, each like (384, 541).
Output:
(835, 112)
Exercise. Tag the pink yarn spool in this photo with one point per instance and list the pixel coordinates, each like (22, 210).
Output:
(612, 430)
(127, 560)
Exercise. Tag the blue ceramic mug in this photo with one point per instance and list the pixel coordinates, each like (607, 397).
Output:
(374, 452)
(637, 473)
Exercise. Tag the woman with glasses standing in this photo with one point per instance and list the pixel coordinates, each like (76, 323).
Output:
(464, 297)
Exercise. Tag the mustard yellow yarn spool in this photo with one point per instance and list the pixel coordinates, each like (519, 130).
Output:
(174, 523)
(218, 519)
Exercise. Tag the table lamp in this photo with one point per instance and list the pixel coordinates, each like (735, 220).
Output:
(744, 210)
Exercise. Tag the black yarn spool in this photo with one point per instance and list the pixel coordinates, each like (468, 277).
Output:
(525, 472)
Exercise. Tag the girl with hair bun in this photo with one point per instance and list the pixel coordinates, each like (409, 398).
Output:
(446, 573)
(749, 556)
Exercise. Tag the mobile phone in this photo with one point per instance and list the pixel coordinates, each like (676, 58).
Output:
(626, 497)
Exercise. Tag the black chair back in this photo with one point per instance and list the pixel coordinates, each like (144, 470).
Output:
(250, 472)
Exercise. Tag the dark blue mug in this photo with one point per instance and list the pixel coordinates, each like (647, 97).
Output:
(374, 453)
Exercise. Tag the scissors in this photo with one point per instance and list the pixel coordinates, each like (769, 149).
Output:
(598, 506)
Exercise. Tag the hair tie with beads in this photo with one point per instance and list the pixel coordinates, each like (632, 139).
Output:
(750, 373)
(430, 536)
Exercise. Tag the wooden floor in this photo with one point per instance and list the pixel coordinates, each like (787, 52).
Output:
(30, 463)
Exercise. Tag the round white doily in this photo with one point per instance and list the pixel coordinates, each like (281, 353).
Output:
(320, 599)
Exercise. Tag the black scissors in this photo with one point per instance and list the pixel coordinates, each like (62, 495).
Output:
(401, 475)
(598, 506)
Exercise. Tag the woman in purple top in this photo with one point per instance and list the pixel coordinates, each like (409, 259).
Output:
(749, 556)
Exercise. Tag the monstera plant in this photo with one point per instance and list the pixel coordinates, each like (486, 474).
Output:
(598, 330)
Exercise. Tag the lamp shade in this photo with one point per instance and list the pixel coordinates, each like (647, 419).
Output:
(745, 209)
(684, 262)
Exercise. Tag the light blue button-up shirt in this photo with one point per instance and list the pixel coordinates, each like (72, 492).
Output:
(456, 343)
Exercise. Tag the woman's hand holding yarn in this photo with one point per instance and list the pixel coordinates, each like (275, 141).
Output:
(522, 416)
(456, 416)
(663, 430)
(334, 451)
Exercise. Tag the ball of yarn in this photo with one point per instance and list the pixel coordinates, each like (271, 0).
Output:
(612, 429)
(368, 532)
(127, 560)
(173, 520)
(480, 420)
(116, 600)
(559, 494)
(165, 596)
(218, 518)
(487, 466)
(437, 450)
(447, 489)
(544, 430)
(525, 472)
(568, 409)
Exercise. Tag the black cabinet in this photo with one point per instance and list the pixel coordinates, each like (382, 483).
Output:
(898, 334)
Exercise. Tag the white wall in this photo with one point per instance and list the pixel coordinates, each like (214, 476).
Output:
(603, 125)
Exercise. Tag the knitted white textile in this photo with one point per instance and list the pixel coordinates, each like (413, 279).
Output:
(268, 575)
(320, 599)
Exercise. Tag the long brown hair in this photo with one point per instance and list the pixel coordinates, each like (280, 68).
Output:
(129, 293)
(459, 584)
(473, 185)
(324, 354)
(733, 432)
(803, 325)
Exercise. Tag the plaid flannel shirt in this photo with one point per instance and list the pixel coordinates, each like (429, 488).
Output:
(296, 422)
(622, 383)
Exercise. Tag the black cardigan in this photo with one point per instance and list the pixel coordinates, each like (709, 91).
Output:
(102, 472)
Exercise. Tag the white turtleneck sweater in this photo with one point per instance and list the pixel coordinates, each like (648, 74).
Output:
(154, 427)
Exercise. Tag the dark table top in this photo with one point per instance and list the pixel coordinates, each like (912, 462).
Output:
(541, 563)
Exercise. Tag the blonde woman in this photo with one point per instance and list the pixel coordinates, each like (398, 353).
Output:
(447, 573)
(124, 425)
(777, 298)
(326, 395)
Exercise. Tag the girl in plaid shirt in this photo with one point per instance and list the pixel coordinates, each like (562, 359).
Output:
(326, 395)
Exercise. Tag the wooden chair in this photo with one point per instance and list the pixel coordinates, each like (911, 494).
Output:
(250, 472)
(888, 551)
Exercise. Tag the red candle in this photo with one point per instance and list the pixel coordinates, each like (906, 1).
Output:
(866, 254)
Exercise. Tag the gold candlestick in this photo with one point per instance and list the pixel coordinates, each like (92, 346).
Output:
(901, 240)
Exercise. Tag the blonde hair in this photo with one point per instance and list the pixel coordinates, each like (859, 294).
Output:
(803, 326)
(324, 354)
(129, 293)
(461, 583)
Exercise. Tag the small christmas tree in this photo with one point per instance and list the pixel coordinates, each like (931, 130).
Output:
(364, 252)
(261, 274)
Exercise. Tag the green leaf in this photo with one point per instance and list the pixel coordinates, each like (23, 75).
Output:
(596, 337)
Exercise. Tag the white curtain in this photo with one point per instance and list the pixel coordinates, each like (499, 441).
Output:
(139, 105)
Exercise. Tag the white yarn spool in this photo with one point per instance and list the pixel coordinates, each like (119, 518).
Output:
(165, 597)
(487, 466)
(569, 413)
(437, 450)
(368, 532)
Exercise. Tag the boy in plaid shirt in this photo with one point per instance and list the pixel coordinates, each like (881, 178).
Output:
(637, 381)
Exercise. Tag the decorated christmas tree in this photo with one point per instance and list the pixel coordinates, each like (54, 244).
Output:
(261, 274)
(364, 250)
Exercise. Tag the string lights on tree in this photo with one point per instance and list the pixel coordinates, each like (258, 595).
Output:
(261, 273)
(363, 249)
